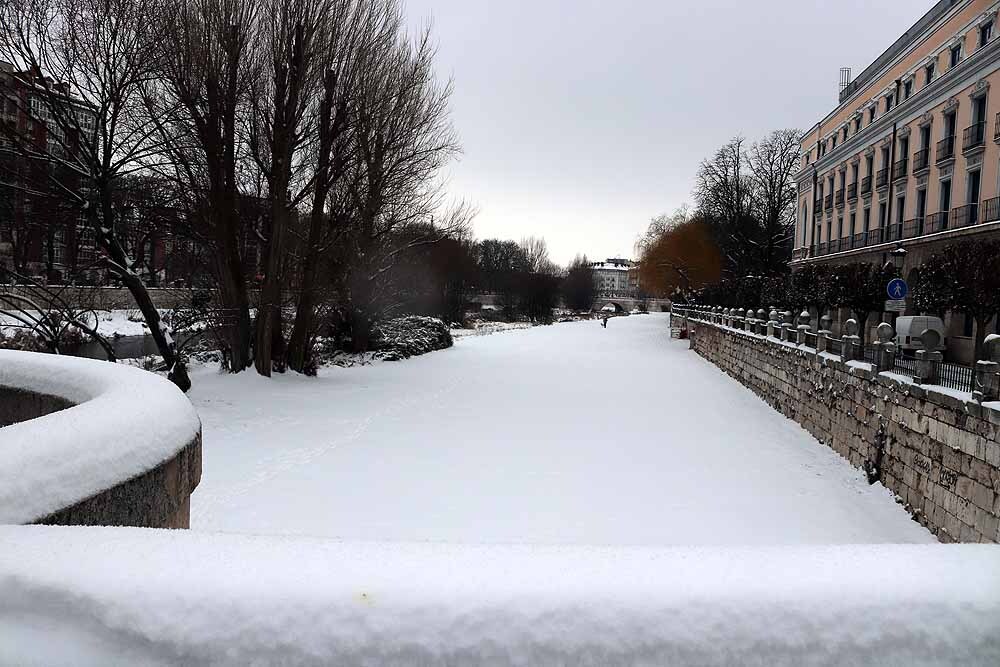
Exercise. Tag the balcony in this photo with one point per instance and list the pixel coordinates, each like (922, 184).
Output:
(829, 202)
(821, 248)
(839, 199)
(965, 216)
(874, 237)
(913, 228)
(996, 130)
(921, 160)
(946, 149)
(866, 185)
(974, 137)
(991, 210)
(899, 169)
(893, 232)
(834, 246)
(852, 192)
(881, 178)
(859, 240)
(936, 222)
(818, 208)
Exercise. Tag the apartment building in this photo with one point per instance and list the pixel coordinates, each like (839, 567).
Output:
(910, 157)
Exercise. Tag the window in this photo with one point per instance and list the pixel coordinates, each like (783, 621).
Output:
(845, 133)
(956, 55)
(857, 124)
(805, 222)
(867, 220)
(900, 208)
(907, 89)
(928, 73)
(925, 137)
(833, 139)
(854, 220)
(871, 115)
(888, 101)
(985, 33)
(870, 164)
(945, 196)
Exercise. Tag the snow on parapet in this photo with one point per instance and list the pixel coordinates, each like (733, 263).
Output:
(127, 596)
(125, 421)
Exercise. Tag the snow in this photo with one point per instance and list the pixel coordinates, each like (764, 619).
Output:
(567, 434)
(125, 596)
(125, 421)
(109, 323)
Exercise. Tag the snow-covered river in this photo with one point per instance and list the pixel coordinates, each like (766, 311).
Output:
(569, 434)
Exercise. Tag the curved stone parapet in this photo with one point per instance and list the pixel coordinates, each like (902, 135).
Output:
(93, 443)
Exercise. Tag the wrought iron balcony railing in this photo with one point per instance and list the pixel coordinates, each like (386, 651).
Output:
(974, 136)
(946, 149)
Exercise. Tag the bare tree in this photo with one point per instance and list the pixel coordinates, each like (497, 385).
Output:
(403, 138)
(85, 63)
(773, 163)
(536, 250)
(198, 106)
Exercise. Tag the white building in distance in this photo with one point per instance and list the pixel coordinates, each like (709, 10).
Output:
(615, 277)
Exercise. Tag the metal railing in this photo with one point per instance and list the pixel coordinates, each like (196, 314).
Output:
(964, 216)
(839, 200)
(834, 246)
(852, 191)
(974, 136)
(881, 178)
(859, 240)
(866, 185)
(921, 159)
(874, 237)
(904, 366)
(821, 248)
(893, 232)
(936, 222)
(955, 376)
(899, 169)
(946, 149)
(913, 228)
(991, 210)
(828, 202)
(996, 129)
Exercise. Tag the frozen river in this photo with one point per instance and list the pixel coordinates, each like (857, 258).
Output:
(569, 434)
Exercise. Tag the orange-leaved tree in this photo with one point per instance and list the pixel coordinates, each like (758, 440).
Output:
(680, 258)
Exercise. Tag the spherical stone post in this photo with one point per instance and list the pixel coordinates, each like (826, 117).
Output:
(786, 326)
(928, 366)
(748, 325)
(803, 327)
(850, 341)
(761, 321)
(885, 348)
(773, 325)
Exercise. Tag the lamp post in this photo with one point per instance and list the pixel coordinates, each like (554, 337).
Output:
(897, 257)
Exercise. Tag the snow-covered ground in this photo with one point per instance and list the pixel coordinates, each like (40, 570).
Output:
(109, 322)
(569, 434)
(82, 597)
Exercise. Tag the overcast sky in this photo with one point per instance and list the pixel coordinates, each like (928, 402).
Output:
(582, 119)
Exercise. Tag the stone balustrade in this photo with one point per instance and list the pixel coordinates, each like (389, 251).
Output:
(93, 443)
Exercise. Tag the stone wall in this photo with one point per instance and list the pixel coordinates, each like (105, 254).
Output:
(159, 498)
(937, 452)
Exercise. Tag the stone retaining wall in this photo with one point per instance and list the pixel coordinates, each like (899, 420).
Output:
(937, 452)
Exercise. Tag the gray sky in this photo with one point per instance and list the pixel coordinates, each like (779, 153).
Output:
(582, 119)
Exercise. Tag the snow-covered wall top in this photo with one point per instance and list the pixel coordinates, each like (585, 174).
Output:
(124, 421)
(103, 596)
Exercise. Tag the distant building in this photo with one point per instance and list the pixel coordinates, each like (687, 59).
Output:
(615, 277)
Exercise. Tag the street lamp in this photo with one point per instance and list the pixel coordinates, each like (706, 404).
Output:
(896, 259)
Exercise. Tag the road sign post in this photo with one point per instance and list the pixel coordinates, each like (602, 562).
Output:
(897, 289)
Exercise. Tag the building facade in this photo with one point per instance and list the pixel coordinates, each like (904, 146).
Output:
(910, 156)
(615, 277)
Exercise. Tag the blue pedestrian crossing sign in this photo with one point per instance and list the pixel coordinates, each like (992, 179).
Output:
(897, 289)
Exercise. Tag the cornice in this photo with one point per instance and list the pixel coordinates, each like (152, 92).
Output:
(946, 85)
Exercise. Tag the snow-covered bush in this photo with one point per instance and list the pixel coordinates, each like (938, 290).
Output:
(406, 337)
